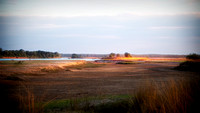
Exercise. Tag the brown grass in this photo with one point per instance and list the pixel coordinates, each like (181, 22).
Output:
(174, 96)
(26, 100)
(171, 97)
(51, 69)
(159, 96)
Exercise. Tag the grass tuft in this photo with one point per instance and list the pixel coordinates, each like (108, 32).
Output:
(51, 69)
(84, 65)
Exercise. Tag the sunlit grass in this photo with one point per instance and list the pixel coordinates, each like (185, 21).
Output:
(51, 69)
(84, 65)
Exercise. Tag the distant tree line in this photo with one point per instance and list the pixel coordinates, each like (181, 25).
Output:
(29, 54)
(113, 55)
(85, 55)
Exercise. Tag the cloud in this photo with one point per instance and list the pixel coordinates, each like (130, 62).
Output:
(169, 27)
(55, 26)
(85, 36)
(166, 37)
(121, 15)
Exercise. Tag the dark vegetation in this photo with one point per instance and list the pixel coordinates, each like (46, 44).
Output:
(113, 55)
(15, 78)
(189, 66)
(127, 62)
(127, 54)
(193, 56)
(86, 55)
(133, 55)
(8, 103)
(29, 54)
(192, 65)
(76, 56)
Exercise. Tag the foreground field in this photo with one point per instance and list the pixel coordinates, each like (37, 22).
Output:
(55, 86)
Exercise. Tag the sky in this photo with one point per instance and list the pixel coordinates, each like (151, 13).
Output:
(101, 26)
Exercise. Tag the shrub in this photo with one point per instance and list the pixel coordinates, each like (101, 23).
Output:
(189, 66)
(193, 56)
(76, 56)
(127, 54)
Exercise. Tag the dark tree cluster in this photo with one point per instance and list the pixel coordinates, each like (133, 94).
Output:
(29, 54)
(127, 54)
(193, 56)
(113, 55)
(76, 56)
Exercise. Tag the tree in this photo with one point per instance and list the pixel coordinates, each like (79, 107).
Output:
(111, 55)
(75, 56)
(127, 54)
(56, 54)
(118, 55)
(21, 53)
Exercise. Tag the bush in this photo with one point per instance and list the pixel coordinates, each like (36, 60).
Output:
(111, 55)
(189, 66)
(75, 56)
(127, 54)
(193, 56)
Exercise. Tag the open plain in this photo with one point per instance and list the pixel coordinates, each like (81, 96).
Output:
(47, 81)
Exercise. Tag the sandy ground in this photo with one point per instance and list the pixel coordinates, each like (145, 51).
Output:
(109, 79)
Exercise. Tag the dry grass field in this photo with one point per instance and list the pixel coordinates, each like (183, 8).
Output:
(79, 86)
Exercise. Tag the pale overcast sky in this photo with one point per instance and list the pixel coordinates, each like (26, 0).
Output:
(101, 26)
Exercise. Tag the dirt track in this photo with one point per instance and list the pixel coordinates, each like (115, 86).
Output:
(105, 80)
